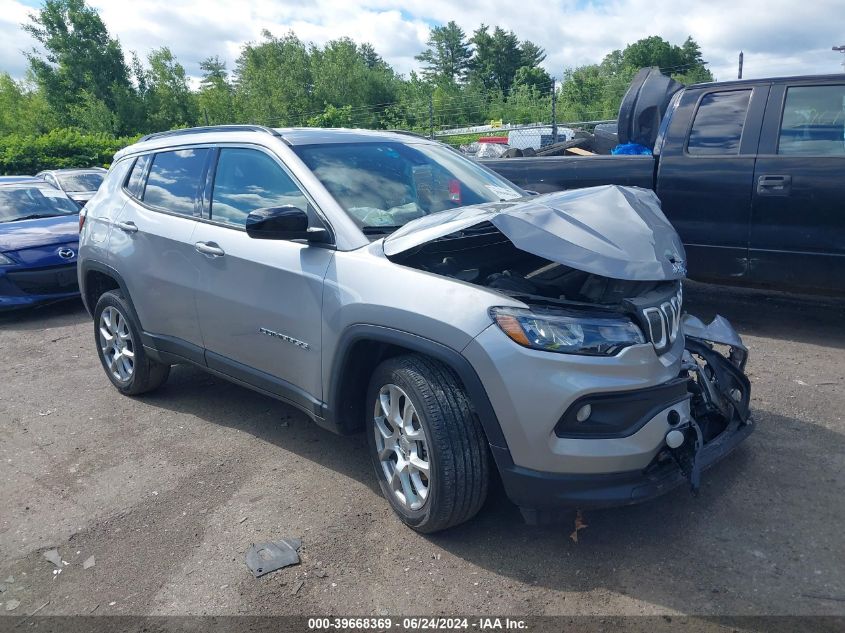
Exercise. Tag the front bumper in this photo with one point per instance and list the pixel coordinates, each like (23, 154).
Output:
(541, 495)
(634, 444)
(22, 287)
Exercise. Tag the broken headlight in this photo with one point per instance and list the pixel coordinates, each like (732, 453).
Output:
(567, 333)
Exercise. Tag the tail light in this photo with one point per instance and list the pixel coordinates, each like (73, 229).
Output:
(455, 190)
(82, 215)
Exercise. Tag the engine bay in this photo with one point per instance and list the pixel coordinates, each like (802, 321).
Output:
(483, 256)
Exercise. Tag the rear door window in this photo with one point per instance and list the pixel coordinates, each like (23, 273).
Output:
(248, 179)
(813, 121)
(175, 180)
(718, 124)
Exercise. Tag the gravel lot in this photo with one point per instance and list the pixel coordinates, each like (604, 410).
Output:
(167, 491)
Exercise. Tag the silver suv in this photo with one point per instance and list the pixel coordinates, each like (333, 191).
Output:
(382, 282)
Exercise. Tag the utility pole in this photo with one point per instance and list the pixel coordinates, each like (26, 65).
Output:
(739, 75)
(554, 110)
(841, 49)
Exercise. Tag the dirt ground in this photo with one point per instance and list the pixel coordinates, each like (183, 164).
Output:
(167, 491)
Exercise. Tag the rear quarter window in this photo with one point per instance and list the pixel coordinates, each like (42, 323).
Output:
(718, 124)
(135, 182)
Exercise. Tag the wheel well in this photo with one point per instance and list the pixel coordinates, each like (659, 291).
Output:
(97, 283)
(362, 358)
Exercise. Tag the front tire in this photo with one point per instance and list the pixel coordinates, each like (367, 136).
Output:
(119, 347)
(427, 446)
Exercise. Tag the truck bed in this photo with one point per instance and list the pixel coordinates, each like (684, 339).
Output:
(555, 173)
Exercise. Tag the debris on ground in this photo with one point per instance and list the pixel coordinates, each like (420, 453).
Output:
(39, 608)
(89, 563)
(54, 557)
(11, 605)
(579, 525)
(297, 587)
(262, 558)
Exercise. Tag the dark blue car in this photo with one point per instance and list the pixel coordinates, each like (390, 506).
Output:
(39, 238)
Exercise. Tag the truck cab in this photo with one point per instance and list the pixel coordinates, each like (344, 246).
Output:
(752, 175)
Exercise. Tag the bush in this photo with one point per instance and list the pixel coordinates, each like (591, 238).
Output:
(29, 154)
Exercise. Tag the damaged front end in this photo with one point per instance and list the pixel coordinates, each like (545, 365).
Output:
(720, 394)
(591, 272)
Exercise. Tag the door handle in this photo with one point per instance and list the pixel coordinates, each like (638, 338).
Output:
(127, 227)
(773, 185)
(209, 248)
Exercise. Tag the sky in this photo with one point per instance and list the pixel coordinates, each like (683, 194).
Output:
(778, 37)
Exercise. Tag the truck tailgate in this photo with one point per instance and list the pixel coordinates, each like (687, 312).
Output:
(554, 173)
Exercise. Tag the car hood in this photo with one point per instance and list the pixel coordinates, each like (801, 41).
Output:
(644, 106)
(612, 231)
(21, 234)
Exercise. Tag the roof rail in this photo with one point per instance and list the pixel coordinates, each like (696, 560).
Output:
(210, 128)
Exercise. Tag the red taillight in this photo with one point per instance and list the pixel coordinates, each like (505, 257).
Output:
(455, 191)
(82, 216)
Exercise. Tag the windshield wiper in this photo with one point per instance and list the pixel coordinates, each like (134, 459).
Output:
(33, 216)
(379, 230)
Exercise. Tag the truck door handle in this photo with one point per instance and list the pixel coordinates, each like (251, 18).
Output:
(209, 248)
(127, 227)
(772, 185)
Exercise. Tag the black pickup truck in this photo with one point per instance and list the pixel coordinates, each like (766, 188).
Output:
(751, 173)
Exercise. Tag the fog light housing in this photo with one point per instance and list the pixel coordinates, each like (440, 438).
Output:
(584, 413)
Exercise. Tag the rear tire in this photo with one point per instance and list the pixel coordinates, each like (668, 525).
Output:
(435, 469)
(118, 339)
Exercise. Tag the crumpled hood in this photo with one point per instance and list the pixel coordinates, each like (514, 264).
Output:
(16, 236)
(612, 231)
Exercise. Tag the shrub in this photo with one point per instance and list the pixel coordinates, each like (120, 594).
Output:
(29, 154)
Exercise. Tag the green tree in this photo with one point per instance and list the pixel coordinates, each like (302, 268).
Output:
(595, 91)
(80, 62)
(499, 55)
(497, 58)
(672, 59)
(170, 103)
(273, 81)
(22, 109)
(215, 96)
(448, 55)
(345, 75)
(532, 55)
(532, 77)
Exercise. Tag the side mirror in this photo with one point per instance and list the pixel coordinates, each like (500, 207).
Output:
(283, 223)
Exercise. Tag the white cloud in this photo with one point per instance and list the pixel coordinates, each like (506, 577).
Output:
(782, 39)
(13, 40)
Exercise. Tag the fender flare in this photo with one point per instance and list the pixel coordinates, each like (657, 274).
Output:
(88, 266)
(415, 343)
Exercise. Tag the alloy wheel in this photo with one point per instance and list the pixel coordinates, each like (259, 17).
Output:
(116, 344)
(402, 447)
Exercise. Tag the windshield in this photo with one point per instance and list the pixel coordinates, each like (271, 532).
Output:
(23, 203)
(384, 185)
(87, 181)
